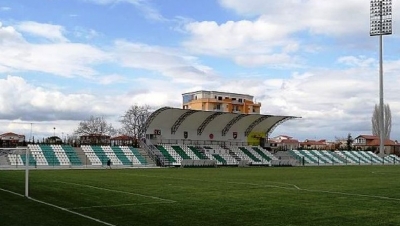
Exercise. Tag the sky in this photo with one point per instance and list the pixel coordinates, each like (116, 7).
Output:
(64, 61)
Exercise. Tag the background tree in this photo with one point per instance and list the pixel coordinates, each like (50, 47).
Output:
(95, 125)
(339, 143)
(134, 119)
(387, 120)
(72, 139)
(349, 142)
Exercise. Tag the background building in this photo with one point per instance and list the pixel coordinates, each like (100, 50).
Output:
(11, 139)
(220, 101)
(371, 143)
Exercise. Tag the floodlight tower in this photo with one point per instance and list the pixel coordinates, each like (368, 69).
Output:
(381, 24)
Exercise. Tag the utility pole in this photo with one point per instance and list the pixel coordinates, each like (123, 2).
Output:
(26, 123)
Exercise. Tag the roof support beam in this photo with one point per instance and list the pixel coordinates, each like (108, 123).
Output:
(152, 117)
(181, 118)
(254, 124)
(206, 122)
(231, 123)
(271, 129)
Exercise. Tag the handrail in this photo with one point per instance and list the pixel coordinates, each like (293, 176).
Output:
(153, 152)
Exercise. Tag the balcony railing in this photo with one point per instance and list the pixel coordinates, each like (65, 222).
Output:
(237, 102)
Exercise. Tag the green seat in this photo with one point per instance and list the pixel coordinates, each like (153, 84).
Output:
(50, 156)
(121, 155)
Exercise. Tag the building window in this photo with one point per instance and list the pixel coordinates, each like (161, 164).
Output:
(219, 98)
(240, 100)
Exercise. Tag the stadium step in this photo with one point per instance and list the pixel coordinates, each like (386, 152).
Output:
(181, 152)
(261, 153)
(234, 155)
(199, 154)
(219, 159)
(248, 153)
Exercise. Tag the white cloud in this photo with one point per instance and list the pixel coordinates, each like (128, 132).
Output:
(283, 32)
(39, 129)
(110, 79)
(5, 8)
(106, 2)
(61, 58)
(357, 61)
(21, 100)
(80, 32)
(335, 18)
(331, 102)
(324, 17)
(153, 92)
(143, 5)
(248, 43)
(278, 60)
(70, 59)
(24, 102)
(9, 35)
(235, 37)
(166, 61)
(51, 32)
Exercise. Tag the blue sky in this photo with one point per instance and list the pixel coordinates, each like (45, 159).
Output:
(63, 61)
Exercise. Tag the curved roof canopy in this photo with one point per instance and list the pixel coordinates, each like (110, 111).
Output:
(176, 123)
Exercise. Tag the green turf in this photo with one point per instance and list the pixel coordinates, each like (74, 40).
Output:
(347, 195)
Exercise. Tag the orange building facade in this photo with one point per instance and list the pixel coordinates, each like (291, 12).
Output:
(220, 101)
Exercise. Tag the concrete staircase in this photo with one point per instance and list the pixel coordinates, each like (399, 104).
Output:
(4, 161)
(149, 160)
(286, 159)
(82, 156)
(234, 155)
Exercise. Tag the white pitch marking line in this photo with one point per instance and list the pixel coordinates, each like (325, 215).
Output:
(268, 185)
(14, 193)
(123, 192)
(322, 191)
(192, 179)
(390, 173)
(289, 188)
(108, 206)
(73, 212)
(61, 208)
(351, 194)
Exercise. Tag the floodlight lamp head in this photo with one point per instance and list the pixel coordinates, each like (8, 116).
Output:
(380, 17)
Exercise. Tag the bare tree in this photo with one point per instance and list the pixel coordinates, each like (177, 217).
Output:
(95, 125)
(339, 142)
(387, 121)
(134, 119)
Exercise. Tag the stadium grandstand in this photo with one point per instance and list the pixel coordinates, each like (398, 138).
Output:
(66, 156)
(212, 129)
(175, 135)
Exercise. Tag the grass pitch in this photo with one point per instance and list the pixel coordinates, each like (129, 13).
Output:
(347, 195)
